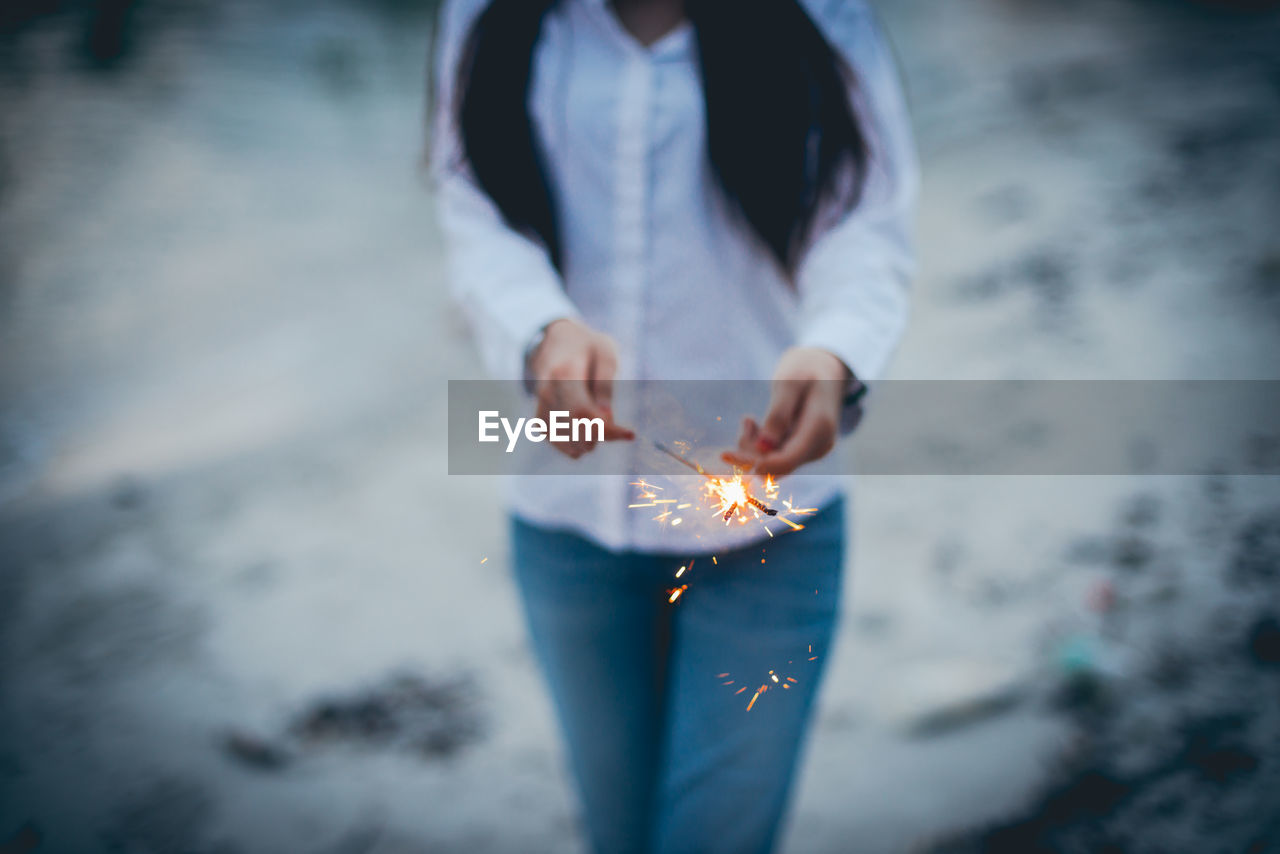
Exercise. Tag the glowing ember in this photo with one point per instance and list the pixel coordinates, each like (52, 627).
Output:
(732, 495)
(785, 682)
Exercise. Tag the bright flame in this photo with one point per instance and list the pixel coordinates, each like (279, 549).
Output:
(729, 495)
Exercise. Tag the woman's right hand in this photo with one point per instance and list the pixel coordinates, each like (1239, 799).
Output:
(573, 370)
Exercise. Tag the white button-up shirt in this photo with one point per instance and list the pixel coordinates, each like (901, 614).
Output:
(654, 258)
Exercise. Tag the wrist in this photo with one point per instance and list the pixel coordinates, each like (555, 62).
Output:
(833, 367)
(530, 352)
(535, 347)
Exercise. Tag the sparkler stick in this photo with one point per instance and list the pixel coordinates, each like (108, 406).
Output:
(681, 460)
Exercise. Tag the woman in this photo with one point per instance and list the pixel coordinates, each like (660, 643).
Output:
(657, 189)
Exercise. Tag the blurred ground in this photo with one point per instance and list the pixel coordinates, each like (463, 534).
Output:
(243, 609)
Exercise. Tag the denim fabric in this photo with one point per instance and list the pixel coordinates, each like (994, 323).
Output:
(666, 757)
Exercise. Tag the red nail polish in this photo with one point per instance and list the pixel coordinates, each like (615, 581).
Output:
(765, 445)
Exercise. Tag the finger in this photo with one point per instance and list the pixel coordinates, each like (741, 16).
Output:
(784, 405)
(545, 400)
(747, 452)
(739, 460)
(604, 366)
(616, 432)
(566, 391)
(571, 393)
(813, 437)
(576, 398)
(560, 381)
(748, 435)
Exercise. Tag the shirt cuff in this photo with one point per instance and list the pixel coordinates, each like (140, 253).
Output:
(863, 347)
(526, 315)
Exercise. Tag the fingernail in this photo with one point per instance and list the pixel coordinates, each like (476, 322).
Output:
(765, 444)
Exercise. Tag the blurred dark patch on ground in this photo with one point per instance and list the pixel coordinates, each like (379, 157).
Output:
(1180, 752)
(432, 718)
(425, 717)
(111, 32)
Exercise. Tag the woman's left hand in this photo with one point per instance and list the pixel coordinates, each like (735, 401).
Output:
(804, 414)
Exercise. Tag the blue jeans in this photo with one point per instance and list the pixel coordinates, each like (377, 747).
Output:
(666, 757)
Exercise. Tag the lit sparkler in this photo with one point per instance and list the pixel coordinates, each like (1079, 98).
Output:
(728, 496)
(730, 492)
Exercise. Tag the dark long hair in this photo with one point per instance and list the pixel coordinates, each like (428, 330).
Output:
(782, 135)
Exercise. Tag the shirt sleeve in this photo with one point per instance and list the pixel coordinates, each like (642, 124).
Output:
(853, 282)
(503, 281)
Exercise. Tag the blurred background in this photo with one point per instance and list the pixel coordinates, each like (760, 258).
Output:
(243, 608)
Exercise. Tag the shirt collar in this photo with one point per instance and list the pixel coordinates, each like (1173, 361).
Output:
(674, 44)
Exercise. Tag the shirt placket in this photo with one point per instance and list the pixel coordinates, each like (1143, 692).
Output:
(630, 268)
